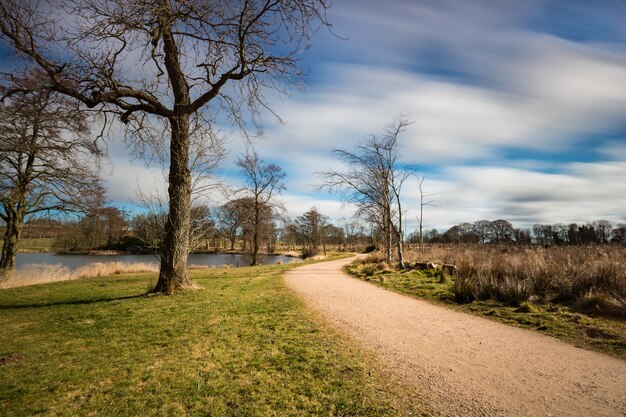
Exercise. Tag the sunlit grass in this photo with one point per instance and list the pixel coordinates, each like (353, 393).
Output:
(241, 345)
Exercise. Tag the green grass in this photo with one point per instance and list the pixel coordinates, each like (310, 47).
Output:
(242, 345)
(598, 333)
(34, 244)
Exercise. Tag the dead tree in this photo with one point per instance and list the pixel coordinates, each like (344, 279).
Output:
(423, 203)
(165, 61)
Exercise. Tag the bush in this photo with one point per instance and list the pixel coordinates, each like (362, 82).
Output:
(309, 253)
(370, 249)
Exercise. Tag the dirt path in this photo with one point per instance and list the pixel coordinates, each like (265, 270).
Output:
(460, 364)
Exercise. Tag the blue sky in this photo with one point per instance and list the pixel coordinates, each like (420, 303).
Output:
(519, 109)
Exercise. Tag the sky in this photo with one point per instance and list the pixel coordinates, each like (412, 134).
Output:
(518, 110)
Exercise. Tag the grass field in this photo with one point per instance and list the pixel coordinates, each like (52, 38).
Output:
(35, 244)
(604, 334)
(241, 345)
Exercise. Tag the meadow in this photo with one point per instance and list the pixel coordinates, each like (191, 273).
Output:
(240, 345)
(575, 293)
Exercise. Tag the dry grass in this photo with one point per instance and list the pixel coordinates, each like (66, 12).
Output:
(44, 273)
(513, 275)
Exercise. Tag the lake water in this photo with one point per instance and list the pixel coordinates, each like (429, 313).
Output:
(76, 261)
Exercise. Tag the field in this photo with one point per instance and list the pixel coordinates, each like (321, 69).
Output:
(240, 345)
(575, 293)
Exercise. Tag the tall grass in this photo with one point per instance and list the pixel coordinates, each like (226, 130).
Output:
(43, 273)
(512, 275)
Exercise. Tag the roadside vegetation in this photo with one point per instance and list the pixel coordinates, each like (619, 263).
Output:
(575, 293)
(240, 344)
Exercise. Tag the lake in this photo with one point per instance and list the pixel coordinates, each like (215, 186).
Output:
(76, 261)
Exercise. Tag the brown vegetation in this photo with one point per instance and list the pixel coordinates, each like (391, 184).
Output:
(41, 273)
(590, 277)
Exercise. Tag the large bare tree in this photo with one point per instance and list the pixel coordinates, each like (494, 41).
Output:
(373, 179)
(46, 162)
(262, 181)
(168, 61)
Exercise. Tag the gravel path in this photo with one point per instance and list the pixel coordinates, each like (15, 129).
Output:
(462, 365)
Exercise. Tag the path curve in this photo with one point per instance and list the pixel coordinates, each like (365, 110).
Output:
(459, 364)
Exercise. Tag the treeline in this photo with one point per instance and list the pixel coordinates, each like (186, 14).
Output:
(228, 227)
(502, 231)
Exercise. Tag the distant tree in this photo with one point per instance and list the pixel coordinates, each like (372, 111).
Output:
(482, 228)
(467, 233)
(262, 181)
(587, 234)
(522, 236)
(230, 218)
(501, 231)
(290, 234)
(433, 236)
(572, 234)
(560, 234)
(312, 226)
(373, 181)
(424, 202)
(619, 233)
(100, 229)
(45, 151)
(176, 63)
(148, 227)
(603, 230)
(335, 236)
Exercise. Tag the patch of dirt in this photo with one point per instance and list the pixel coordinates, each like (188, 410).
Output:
(462, 365)
(15, 357)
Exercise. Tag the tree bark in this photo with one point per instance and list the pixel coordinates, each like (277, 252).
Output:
(173, 273)
(11, 237)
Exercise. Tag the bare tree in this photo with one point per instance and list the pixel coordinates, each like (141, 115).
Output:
(423, 203)
(603, 230)
(174, 62)
(230, 218)
(45, 152)
(373, 180)
(312, 227)
(483, 230)
(262, 181)
(501, 231)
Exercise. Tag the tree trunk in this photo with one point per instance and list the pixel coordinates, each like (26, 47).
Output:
(255, 238)
(173, 272)
(11, 237)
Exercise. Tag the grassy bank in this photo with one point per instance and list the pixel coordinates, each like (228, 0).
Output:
(242, 345)
(580, 324)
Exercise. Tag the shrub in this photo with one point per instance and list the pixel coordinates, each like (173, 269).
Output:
(370, 249)
(463, 290)
(309, 253)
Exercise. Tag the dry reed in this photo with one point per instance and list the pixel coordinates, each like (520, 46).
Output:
(515, 274)
(44, 273)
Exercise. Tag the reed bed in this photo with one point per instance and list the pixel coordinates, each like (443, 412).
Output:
(44, 273)
(582, 275)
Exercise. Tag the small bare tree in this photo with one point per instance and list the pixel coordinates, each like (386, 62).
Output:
(424, 202)
(46, 160)
(165, 61)
(373, 180)
(312, 228)
(262, 181)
